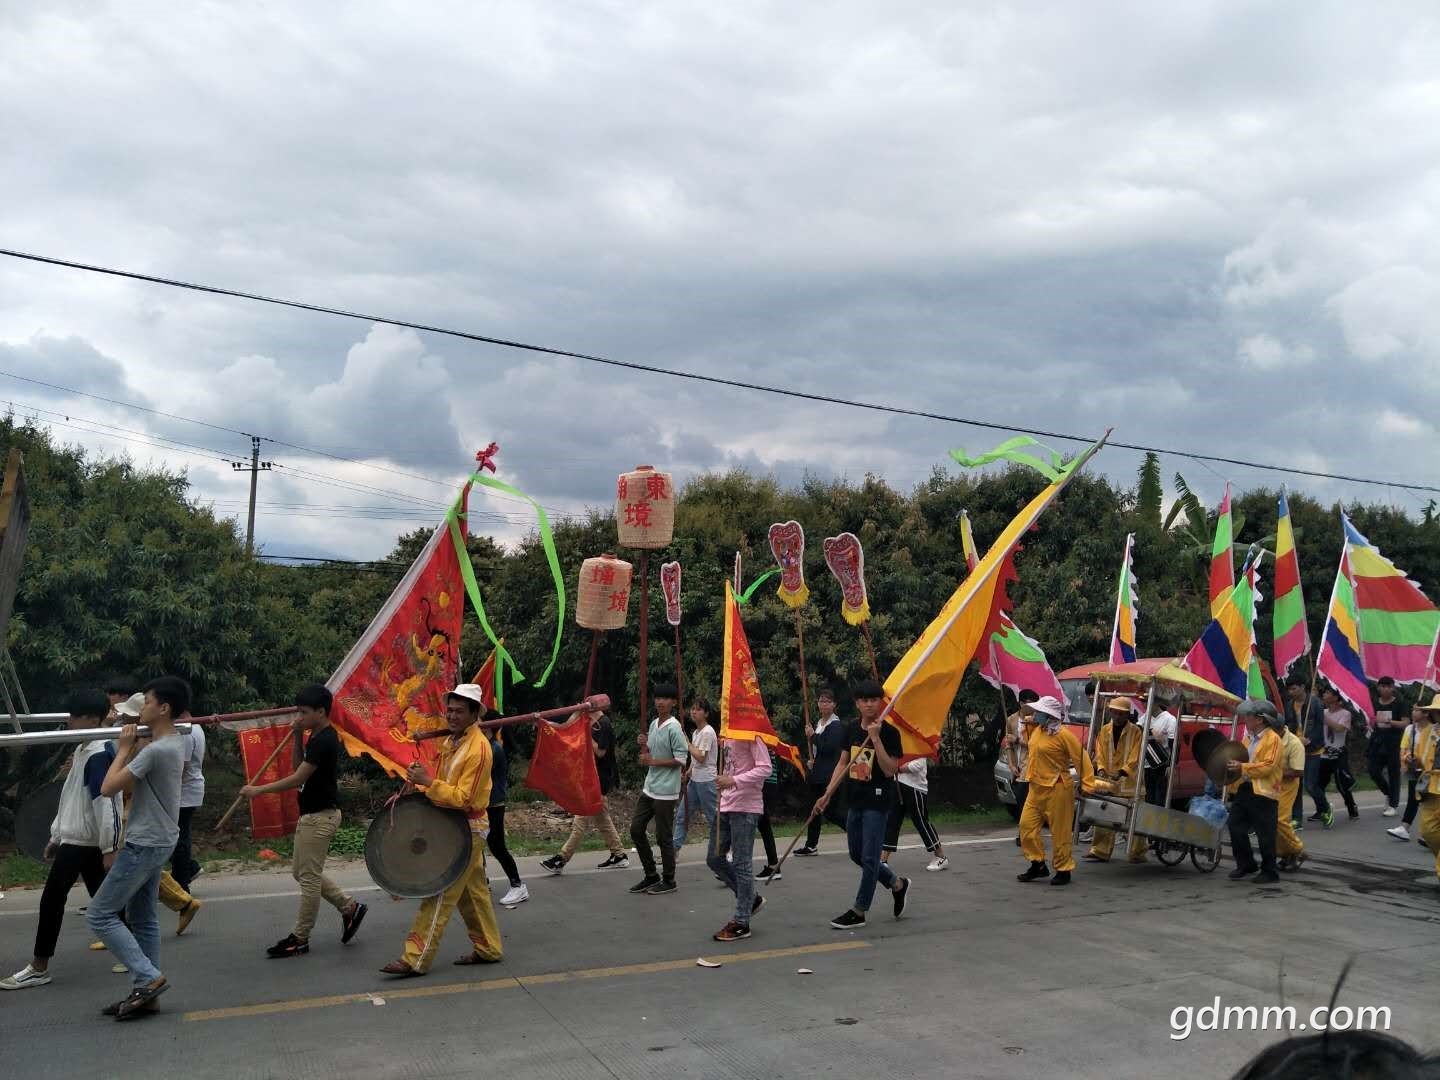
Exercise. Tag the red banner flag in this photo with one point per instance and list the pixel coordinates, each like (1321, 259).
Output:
(742, 709)
(392, 684)
(485, 679)
(274, 814)
(563, 766)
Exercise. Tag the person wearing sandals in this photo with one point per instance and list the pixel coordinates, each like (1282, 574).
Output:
(319, 804)
(152, 776)
(461, 781)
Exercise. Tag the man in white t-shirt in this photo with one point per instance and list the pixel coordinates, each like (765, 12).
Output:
(1163, 727)
(183, 866)
(700, 793)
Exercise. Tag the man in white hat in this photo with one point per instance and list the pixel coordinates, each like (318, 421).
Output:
(1427, 785)
(1051, 799)
(1117, 759)
(461, 781)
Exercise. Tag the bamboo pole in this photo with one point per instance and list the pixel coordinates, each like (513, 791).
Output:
(281, 745)
(804, 687)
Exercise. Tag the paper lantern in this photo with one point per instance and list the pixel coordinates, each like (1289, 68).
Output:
(645, 508)
(603, 599)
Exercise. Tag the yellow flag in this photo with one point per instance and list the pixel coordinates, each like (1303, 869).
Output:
(924, 683)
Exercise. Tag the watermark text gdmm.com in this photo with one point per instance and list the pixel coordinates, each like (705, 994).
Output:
(1185, 1019)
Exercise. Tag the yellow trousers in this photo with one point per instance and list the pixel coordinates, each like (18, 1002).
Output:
(1287, 840)
(1104, 843)
(1052, 807)
(1430, 826)
(471, 894)
(171, 894)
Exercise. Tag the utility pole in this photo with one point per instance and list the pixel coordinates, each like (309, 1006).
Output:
(255, 468)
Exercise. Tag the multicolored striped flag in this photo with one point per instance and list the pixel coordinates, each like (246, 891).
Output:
(1225, 651)
(1127, 610)
(1292, 634)
(1397, 623)
(1222, 558)
(1013, 658)
(1338, 661)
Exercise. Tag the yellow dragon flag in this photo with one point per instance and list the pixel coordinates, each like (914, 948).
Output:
(924, 683)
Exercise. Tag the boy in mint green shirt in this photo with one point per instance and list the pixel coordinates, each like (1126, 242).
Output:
(664, 751)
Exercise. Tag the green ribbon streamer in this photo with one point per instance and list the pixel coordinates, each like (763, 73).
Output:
(1051, 466)
(744, 598)
(472, 587)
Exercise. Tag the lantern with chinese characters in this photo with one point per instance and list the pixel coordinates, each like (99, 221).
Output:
(603, 599)
(645, 508)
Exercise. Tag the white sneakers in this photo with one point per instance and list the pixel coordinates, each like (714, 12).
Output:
(518, 894)
(25, 978)
(1389, 811)
(939, 863)
(118, 969)
(1400, 832)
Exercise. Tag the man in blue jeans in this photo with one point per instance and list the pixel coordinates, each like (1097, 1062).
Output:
(152, 777)
(868, 764)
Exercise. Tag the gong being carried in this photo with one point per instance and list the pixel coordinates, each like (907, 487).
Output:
(416, 849)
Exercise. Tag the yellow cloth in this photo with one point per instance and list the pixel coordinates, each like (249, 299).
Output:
(1113, 760)
(1430, 779)
(1430, 827)
(1287, 840)
(471, 894)
(1052, 757)
(1264, 767)
(1407, 741)
(1292, 753)
(171, 894)
(1054, 807)
(1105, 844)
(462, 776)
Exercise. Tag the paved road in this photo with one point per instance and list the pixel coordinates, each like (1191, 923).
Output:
(985, 977)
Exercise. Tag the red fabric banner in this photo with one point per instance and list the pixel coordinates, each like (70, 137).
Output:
(742, 709)
(392, 685)
(564, 766)
(274, 814)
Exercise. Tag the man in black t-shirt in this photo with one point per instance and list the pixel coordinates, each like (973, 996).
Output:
(602, 743)
(314, 775)
(868, 764)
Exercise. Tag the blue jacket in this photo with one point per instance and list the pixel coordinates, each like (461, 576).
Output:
(1313, 722)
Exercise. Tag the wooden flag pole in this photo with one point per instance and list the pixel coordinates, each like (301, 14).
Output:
(644, 638)
(594, 656)
(281, 745)
(870, 646)
(804, 687)
(795, 840)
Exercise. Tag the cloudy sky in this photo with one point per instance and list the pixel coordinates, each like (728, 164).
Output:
(1214, 226)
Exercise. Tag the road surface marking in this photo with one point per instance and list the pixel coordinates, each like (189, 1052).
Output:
(511, 983)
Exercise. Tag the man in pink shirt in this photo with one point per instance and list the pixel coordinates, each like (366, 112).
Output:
(742, 801)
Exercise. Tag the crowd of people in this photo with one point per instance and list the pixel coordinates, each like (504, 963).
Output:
(127, 805)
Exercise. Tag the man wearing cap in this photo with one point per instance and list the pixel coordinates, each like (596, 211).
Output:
(1051, 799)
(1427, 786)
(1117, 759)
(461, 781)
(1255, 785)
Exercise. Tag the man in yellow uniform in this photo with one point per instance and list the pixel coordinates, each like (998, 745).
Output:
(461, 782)
(1427, 754)
(1117, 759)
(1051, 799)
(1255, 786)
(1288, 846)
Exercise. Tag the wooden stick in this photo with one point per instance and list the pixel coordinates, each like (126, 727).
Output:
(644, 637)
(281, 745)
(594, 656)
(591, 703)
(679, 671)
(870, 644)
(804, 685)
(803, 829)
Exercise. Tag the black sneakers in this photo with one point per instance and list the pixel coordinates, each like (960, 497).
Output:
(614, 862)
(757, 904)
(770, 873)
(851, 920)
(1062, 877)
(555, 864)
(289, 945)
(645, 884)
(900, 895)
(660, 888)
(1037, 870)
(807, 851)
(353, 921)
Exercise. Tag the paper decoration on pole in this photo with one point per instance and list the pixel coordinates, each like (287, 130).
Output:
(645, 508)
(787, 544)
(563, 766)
(602, 600)
(670, 586)
(922, 687)
(742, 708)
(846, 560)
(274, 814)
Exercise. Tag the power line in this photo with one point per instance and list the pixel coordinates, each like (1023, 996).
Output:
(715, 380)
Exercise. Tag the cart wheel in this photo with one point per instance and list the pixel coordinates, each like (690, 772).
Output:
(1205, 859)
(1169, 854)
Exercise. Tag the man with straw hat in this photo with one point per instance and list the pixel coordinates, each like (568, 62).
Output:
(1118, 750)
(1054, 752)
(1427, 786)
(461, 781)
